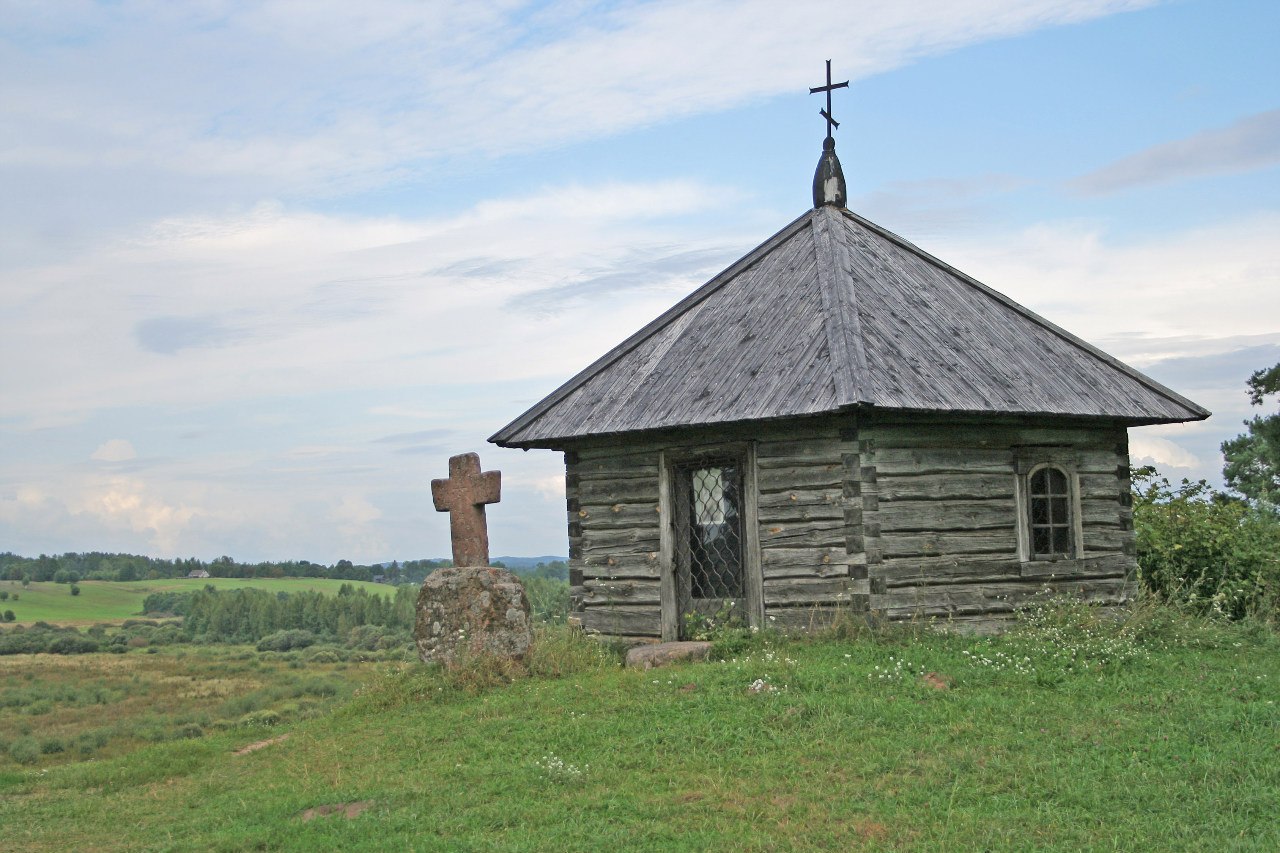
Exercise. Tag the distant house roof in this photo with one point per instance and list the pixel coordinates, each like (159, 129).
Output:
(834, 313)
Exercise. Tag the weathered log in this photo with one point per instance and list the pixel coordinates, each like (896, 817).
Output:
(910, 436)
(946, 486)
(808, 620)
(803, 562)
(928, 516)
(803, 534)
(602, 593)
(614, 542)
(622, 621)
(790, 479)
(608, 565)
(1004, 541)
(618, 490)
(787, 592)
(995, 597)
(599, 516)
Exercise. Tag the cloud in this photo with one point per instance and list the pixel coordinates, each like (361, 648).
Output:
(1140, 299)
(115, 450)
(277, 301)
(413, 437)
(1161, 452)
(937, 206)
(221, 99)
(1251, 143)
(168, 335)
(648, 267)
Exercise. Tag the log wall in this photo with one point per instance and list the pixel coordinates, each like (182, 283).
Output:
(907, 518)
(804, 513)
(945, 511)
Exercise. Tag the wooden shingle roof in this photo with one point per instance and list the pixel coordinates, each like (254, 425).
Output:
(833, 313)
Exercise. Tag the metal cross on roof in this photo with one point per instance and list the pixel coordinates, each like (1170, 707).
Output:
(827, 88)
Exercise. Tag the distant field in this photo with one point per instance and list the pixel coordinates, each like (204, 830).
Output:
(115, 601)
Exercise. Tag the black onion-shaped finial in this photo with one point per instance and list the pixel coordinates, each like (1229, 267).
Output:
(828, 178)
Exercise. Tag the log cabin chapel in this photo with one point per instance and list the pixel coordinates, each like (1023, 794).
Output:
(840, 423)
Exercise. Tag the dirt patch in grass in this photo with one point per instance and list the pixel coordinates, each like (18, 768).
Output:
(262, 744)
(936, 680)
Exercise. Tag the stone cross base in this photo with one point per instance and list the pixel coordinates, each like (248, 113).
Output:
(472, 611)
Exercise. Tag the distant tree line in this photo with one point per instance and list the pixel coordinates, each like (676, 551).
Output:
(284, 620)
(248, 615)
(94, 565)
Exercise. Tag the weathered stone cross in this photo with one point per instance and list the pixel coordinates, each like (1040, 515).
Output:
(463, 496)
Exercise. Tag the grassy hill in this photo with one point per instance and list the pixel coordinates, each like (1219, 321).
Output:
(1073, 735)
(115, 601)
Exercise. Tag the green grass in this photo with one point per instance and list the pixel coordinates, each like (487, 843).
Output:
(115, 601)
(57, 709)
(1088, 737)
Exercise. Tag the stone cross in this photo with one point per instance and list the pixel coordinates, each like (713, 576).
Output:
(463, 496)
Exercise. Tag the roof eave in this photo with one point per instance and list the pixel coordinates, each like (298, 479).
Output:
(566, 442)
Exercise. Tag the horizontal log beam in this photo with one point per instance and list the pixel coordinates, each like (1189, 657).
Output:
(803, 562)
(622, 621)
(803, 534)
(1003, 541)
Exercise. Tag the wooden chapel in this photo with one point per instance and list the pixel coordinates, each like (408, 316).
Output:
(842, 423)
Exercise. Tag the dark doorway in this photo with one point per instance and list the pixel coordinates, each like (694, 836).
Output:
(708, 540)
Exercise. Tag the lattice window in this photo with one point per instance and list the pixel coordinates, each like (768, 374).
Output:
(709, 528)
(1049, 497)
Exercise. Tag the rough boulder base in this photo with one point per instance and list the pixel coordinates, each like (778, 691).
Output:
(661, 654)
(467, 611)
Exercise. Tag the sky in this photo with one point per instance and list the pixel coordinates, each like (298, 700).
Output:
(265, 266)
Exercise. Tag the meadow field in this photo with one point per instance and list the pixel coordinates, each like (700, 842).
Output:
(105, 602)
(1071, 733)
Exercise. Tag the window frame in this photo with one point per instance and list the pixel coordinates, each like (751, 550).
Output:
(1028, 462)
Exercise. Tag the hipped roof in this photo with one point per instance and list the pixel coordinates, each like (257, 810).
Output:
(833, 313)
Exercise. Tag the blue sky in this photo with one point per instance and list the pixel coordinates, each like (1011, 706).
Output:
(265, 266)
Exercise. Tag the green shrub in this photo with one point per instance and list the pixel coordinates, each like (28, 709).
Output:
(52, 745)
(548, 598)
(323, 654)
(265, 718)
(73, 644)
(9, 616)
(1204, 550)
(283, 641)
(75, 589)
(25, 750)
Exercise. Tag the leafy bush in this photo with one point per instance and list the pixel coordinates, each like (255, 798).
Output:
(73, 644)
(1204, 550)
(9, 616)
(265, 717)
(283, 641)
(323, 654)
(548, 598)
(25, 750)
(75, 589)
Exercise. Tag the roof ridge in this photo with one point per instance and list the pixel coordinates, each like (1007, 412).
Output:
(1079, 343)
(841, 322)
(652, 327)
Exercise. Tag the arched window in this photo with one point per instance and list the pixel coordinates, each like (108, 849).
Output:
(1049, 511)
